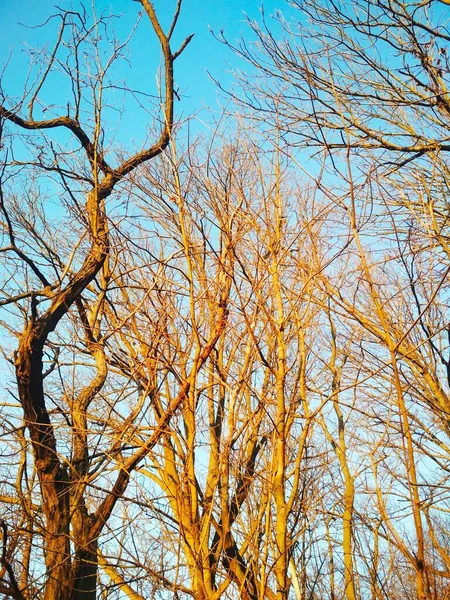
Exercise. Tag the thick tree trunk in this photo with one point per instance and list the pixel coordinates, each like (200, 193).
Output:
(52, 476)
(85, 573)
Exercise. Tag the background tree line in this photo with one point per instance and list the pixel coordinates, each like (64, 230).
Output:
(226, 360)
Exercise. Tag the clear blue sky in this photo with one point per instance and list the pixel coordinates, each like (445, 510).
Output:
(203, 54)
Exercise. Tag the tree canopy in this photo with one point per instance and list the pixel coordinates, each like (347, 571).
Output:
(226, 358)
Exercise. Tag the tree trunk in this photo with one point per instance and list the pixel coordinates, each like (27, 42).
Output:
(85, 573)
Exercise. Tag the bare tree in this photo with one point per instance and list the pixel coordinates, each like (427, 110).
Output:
(364, 85)
(49, 277)
(233, 474)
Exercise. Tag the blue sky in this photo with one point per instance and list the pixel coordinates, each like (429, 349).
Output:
(203, 55)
